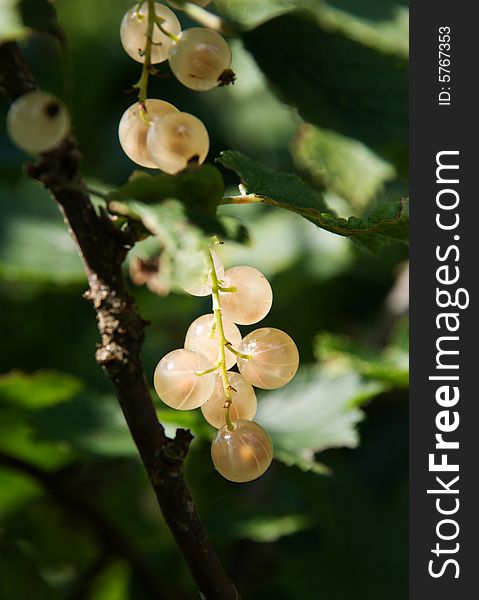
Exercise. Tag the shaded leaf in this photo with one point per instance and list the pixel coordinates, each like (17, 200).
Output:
(313, 413)
(199, 188)
(390, 365)
(89, 423)
(34, 243)
(335, 81)
(342, 165)
(383, 23)
(272, 527)
(259, 184)
(180, 211)
(40, 15)
(38, 390)
(19, 574)
(18, 437)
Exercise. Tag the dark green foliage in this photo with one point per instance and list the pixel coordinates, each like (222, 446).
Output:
(332, 525)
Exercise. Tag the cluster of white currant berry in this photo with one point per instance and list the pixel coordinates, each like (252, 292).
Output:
(154, 133)
(198, 375)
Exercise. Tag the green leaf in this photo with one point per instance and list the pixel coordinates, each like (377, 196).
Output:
(198, 188)
(262, 181)
(11, 26)
(342, 165)
(389, 365)
(34, 243)
(89, 423)
(18, 437)
(259, 184)
(19, 575)
(314, 412)
(335, 81)
(270, 528)
(384, 23)
(188, 419)
(40, 15)
(180, 211)
(38, 390)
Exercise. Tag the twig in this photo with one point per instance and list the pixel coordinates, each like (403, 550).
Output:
(103, 250)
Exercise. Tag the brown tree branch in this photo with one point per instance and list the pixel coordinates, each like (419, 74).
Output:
(103, 249)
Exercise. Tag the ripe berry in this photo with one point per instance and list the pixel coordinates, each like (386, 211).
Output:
(37, 122)
(177, 383)
(243, 453)
(175, 139)
(274, 358)
(252, 299)
(200, 59)
(202, 336)
(133, 30)
(132, 130)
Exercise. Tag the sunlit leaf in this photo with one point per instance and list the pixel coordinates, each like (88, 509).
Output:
(11, 26)
(314, 412)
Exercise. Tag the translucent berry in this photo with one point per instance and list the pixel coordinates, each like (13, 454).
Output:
(244, 401)
(201, 59)
(252, 299)
(175, 139)
(177, 383)
(134, 27)
(132, 130)
(194, 272)
(202, 336)
(243, 453)
(274, 358)
(37, 122)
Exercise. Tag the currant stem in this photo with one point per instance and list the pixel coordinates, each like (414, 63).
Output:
(159, 23)
(211, 370)
(143, 83)
(237, 353)
(222, 341)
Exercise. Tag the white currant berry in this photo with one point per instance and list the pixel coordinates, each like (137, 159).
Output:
(202, 336)
(177, 383)
(37, 122)
(133, 30)
(252, 299)
(274, 358)
(243, 405)
(201, 59)
(175, 139)
(243, 453)
(194, 272)
(132, 130)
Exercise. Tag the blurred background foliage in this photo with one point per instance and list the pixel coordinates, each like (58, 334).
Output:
(329, 518)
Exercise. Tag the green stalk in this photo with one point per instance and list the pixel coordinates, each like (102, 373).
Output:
(222, 341)
(143, 83)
